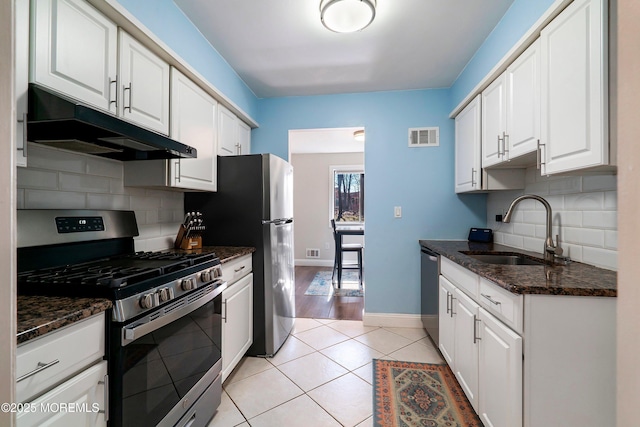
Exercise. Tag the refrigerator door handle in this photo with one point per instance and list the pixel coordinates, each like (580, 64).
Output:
(279, 221)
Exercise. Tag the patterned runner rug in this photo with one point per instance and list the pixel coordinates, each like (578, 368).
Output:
(407, 394)
(321, 285)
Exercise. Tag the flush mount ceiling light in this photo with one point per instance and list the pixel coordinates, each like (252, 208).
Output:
(359, 135)
(347, 16)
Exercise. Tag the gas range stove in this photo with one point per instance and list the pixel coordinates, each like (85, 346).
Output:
(90, 254)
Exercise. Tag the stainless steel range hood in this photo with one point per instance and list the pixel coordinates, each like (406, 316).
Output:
(62, 122)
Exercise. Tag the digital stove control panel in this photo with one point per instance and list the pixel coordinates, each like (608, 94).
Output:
(79, 224)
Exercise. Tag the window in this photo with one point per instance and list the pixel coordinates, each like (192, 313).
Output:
(347, 204)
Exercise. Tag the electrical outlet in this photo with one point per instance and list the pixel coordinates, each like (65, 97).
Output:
(397, 211)
(327, 246)
(499, 218)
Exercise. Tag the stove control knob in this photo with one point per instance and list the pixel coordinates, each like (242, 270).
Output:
(217, 272)
(148, 301)
(188, 284)
(165, 294)
(206, 276)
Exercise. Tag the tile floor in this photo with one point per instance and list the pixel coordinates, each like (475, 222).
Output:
(321, 377)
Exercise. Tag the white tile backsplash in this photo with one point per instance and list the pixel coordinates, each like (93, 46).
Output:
(584, 215)
(61, 179)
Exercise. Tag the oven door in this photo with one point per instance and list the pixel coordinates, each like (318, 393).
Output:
(162, 363)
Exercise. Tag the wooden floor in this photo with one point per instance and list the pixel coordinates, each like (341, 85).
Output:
(323, 307)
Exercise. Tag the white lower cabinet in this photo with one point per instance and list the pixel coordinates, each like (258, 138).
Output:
(500, 373)
(446, 322)
(78, 402)
(61, 377)
(237, 313)
(564, 376)
(466, 346)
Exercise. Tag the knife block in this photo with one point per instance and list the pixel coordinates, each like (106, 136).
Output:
(184, 242)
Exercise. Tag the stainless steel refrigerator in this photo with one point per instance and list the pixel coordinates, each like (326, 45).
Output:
(254, 207)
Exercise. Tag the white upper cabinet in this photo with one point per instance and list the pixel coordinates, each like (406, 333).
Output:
(144, 85)
(74, 50)
(494, 121)
(574, 89)
(467, 149)
(79, 52)
(523, 103)
(511, 110)
(244, 138)
(234, 136)
(194, 123)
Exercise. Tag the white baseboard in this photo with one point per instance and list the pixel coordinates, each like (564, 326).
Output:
(314, 262)
(392, 320)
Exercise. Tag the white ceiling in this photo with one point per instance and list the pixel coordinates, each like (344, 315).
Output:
(280, 48)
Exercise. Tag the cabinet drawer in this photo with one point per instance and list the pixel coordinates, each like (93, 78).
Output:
(460, 276)
(74, 348)
(236, 269)
(503, 304)
(85, 395)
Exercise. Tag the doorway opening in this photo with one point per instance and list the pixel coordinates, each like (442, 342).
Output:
(328, 175)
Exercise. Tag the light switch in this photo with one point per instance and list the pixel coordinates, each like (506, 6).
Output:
(397, 211)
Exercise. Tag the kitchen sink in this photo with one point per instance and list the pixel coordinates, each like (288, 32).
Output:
(503, 258)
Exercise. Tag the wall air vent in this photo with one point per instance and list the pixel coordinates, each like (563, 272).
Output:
(313, 253)
(424, 137)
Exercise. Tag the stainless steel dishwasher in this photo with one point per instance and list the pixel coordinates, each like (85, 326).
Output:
(429, 272)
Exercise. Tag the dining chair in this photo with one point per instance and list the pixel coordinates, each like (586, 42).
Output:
(341, 248)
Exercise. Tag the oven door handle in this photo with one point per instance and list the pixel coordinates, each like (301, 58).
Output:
(131, 334)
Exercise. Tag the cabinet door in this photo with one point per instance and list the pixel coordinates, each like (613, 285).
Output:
(144, 85)
(574, 94)
(446, 321)
(74, 51)
(227, 132)
(466, 346)
(468, 164)
(494, 121)
(193, 122)
(244, 138)
(237, 329)
(500, 372)
(523, 103)
(84, 395)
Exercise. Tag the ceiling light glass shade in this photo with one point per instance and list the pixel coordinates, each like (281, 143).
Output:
(358, 135)
(347, 16)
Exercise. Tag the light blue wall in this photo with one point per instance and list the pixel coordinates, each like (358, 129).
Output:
(514, 24)
(168, 22)
(418, 179)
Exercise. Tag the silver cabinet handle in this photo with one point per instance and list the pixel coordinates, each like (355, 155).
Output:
(448, 306)
(105, 382)
(24, 134)
(41, 367)
(239, 269)
(473, 174)
(505, 146)
(452, 299)
(178, 171)
(500, 139)
(491, 299)
(476, 338)
(225, 310)
(115, 100)
(539, 156)
(124, 89)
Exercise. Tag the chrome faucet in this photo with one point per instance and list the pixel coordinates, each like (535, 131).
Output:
(551, 250)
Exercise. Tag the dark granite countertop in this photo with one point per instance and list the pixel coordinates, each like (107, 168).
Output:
(38, 315)
(576, 278)
(229, 253)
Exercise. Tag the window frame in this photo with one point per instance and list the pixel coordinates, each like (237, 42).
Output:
(357, 168)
